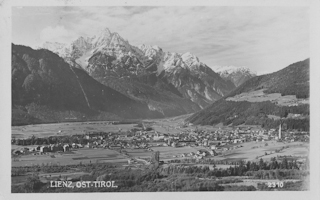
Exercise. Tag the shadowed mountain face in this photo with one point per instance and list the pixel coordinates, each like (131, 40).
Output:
(281, 94)
(46, 88)
(169, 83)
(202, 85)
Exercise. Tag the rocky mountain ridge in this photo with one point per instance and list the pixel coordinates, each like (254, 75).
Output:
(107, 55)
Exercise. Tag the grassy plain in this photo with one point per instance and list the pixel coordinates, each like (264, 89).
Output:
(71, 128)
(259, 96)
(84, 156)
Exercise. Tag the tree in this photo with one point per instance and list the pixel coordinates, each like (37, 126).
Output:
(277, 174)
(284, 163)
(261, 164)
(33, 184)
(248, 165)
(33, 138)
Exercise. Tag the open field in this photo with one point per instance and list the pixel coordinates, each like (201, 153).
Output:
(259, 96)
(19, 179)
(169, 152)
(43, 130)
(46, 177)
(81, 155)
(142, 153)
(211, 167)
(247, 152)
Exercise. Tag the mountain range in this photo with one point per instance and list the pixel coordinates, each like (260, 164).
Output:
(45, 88)
(104, 77)
(170, 83)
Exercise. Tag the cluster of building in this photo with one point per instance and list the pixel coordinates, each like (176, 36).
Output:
(43, 149)
(199, 154)
(223, 139)
(219, 138)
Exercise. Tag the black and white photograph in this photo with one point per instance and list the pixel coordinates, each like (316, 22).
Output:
(133, 98)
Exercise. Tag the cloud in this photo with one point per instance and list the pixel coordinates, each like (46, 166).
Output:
(256, 37)
(56, 34)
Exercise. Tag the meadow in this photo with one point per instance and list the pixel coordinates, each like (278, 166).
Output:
(83, 156)
(45, 130)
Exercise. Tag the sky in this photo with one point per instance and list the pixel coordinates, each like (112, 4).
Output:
(264, 39)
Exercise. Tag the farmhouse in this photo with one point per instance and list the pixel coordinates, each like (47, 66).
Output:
(213, 153)
(214, 147)
(184, 155)
(55, 148)
(44, 149)
(202, 153)
(131, 161)
(174, 144)
(191, 154)
(159, 137)
(66, 148)
(89, 145)
(17, 152)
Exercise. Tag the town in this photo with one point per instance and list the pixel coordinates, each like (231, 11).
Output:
(144, 136)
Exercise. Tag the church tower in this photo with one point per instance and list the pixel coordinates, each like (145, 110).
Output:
(280, 131)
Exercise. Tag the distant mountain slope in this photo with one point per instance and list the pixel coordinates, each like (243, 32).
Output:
(43, 81)
(292, 80)
(237, 75)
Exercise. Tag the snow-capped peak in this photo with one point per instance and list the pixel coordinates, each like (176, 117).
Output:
(156, 47)
(233, 69)
(102, 39)
(188, 55)
(113, 44)
(190, 60)
(150, 51)
(144, 47)
(54, 44)
(56, 47)
(105, 32)
(81, 41)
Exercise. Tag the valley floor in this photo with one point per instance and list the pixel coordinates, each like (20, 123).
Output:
(137, 158)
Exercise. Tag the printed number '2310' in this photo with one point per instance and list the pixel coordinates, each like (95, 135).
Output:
(275, 184)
